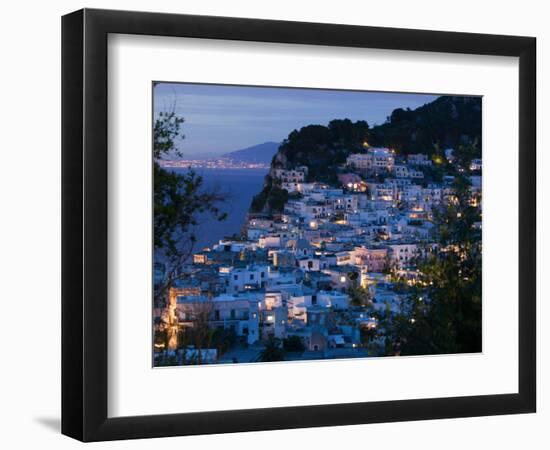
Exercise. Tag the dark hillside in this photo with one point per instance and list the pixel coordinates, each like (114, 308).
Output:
(447, 122)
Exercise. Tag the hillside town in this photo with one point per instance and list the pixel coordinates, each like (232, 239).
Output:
(213, 163)
(312, 281)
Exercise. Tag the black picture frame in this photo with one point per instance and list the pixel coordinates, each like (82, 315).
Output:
(84, 224)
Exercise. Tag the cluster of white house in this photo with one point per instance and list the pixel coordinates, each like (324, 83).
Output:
(290, 274)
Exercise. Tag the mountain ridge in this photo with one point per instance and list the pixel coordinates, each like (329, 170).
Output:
(259, 153)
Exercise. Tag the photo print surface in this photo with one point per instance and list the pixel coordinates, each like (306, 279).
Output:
(299, 224)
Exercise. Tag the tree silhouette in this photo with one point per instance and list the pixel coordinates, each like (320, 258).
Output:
(272, 351)
(178, 201)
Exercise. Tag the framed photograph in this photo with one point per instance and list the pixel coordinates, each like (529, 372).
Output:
(273, 224)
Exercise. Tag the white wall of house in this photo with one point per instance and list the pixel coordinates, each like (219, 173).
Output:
(336, 300)
(238, 279)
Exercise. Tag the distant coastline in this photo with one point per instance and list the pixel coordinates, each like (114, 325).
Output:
(218, 163)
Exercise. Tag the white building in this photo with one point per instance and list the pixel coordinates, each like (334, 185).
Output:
(271, 300)
(402, 254)
(383, 192)
(297, 306)
(382, 158)
(360, 161)
(333, 299)
(270, 241)
(416, 174)
(309, 264)
(400, 171)
(291, 176)
(241, 279)
(237, 312)
(419, 159)
(274, 322)
(475, 164)
(375, 159)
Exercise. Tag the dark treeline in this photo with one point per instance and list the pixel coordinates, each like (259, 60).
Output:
(447, 122)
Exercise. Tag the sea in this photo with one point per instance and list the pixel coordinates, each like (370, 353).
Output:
(239, 187)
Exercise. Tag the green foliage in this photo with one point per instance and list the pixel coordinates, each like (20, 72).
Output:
(353, 276)
(389, 266)
(358, 295)
(367, 335)
(293, 344)
(178, 200)
(323, 148)
(445, 315)
(223, 339)
(272, 198)
(295, 195)
(277, 199)
(272, 351)
(435, 173)
(161, 337)
(446, 122)
(166, 131)
(465, 153)
(166, 360)
(346, 133)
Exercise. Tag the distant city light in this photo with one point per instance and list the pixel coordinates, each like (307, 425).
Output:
(323, 246)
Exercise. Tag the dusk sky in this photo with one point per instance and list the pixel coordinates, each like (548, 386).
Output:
(220, 119)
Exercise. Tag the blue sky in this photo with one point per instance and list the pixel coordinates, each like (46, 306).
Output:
(220, 119)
